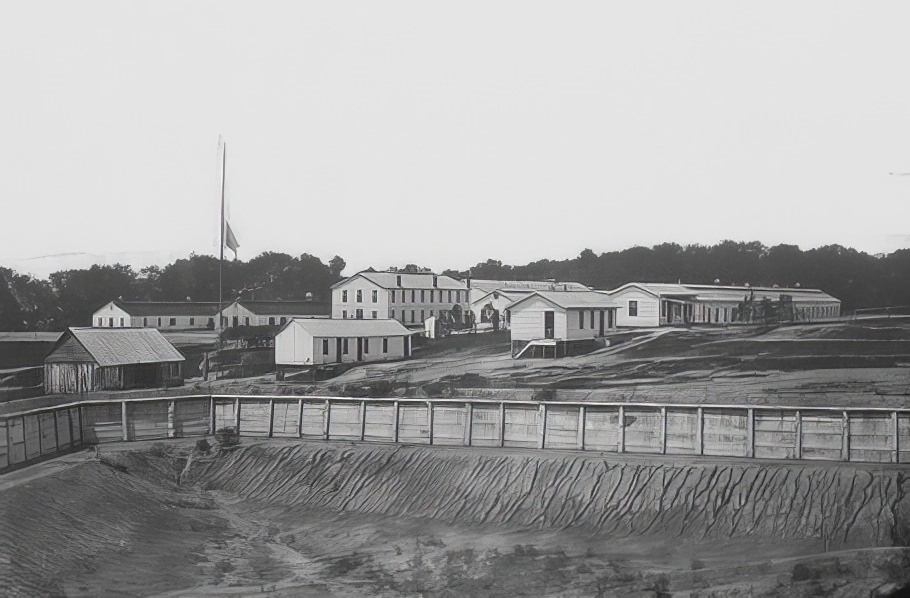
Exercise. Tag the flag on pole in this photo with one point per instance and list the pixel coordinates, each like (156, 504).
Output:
(230, 241)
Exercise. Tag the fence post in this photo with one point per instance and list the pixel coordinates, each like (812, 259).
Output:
(897, 438)
(299, 418)
(237, 416)
(81, 426)
(271, 417)
(700, 431)
(845, 439)
(799, 435)
(469, 420)
(326, 419)
(621, 433)
(663, 430)
(212, 414)
(581, 428)
(430, 419)
(542, 426)
(502, 424)
(171, 416)
(123, 423)
(363, 420)
(750, 432)
(396, 421)
(57, 432)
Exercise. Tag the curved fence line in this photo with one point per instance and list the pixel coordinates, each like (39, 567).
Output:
(851, 434)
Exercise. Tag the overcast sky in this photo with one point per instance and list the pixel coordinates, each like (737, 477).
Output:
(444, 134)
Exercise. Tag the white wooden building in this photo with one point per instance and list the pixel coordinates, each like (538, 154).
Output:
(560, 323)
(313, 342)
(163, 315)
(488, 295)
(248, 312)
(409, 298)
(659, 304)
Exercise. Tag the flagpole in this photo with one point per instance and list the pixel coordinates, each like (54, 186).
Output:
(221, 251)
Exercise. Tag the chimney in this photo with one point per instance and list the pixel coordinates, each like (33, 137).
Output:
(398, 280)
(435, 281)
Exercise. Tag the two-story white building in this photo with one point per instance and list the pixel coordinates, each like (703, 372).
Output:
(560, 323)
(407, 297)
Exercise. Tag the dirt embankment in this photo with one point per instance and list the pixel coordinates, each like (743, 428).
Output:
(285, 518)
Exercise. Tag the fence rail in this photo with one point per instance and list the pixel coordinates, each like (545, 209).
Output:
(867, 434)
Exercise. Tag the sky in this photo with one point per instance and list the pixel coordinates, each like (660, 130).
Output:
(445, 134)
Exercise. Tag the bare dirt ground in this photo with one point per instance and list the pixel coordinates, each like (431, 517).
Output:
(284, 518)
(855, 364)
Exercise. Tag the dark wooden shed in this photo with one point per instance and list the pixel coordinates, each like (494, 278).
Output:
(90, 359)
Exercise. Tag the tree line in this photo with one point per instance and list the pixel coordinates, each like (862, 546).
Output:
(68, 298)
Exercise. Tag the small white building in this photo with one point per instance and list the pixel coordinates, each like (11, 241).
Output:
(495, 302)
(163, 315)
(561, 323)
(307, 342)
(407, 297)
(489, 296)
(248, 312)
(658, 304)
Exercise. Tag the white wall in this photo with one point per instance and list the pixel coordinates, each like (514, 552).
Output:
(528, 320)
(111, 311)
(648, 308)
(366, 304)
(294, 346)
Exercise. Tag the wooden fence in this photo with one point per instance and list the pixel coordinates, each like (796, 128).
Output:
(877, 435)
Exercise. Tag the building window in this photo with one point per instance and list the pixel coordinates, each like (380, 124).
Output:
(271, 320)
(375, 314)
(110, 322)
(246, 320)
(412, 316)
(431, 313)
(592, 319)
(159, 322)
(344, 314)
(121, 322)
(366, 345)
(344, 296)
(375, 296)
(413, 295)
(344, 347)
(432, 293)
(633, 308)
(100, 322)
(716, 315)
(581, 319)
(385, 345)
(359, 296)
(393, 314)
(211, 322)
(359, 314)
(325, 346)
(423, 296)
(393, 296)
(421, 316)
(145, 321)
(450, 296)
(172, 322)
(192, 321)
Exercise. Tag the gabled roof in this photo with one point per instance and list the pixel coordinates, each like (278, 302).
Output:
(511, 294)
(166, 308)
(658, 289)
(286, 308)
(527, 285)
(119, 346)
(423, 280)
(571, 299)
(350, 327)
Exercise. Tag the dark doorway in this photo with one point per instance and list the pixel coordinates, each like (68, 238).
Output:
(338, 350)
(548, 318)
(602, 317)
(236, 321)
(610, 319)
(359, 349)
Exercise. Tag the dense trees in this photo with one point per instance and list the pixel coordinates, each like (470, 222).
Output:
(69, 297)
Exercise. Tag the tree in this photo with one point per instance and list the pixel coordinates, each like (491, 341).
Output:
(81, 292)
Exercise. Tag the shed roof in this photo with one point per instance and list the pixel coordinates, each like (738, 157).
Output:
(167, 308)
(527, 285)
(350, 327)
(708, 292)
(659, 289)
(287, 308)
(423, 280)
(119, 346)
(572, 299)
